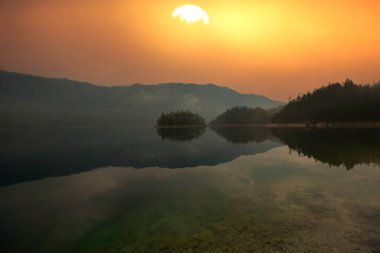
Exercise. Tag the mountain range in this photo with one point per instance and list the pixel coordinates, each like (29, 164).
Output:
(33, 101)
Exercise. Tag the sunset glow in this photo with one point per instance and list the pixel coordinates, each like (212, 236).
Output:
(274, 48)
(152, 126)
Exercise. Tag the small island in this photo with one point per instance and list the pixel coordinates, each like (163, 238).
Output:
(180, 119)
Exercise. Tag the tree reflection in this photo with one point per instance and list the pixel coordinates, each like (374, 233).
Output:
(29, 155)
(335, 147)
(345, 147)
(180, 134)
(244, 135)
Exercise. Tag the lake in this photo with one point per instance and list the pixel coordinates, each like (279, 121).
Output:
(141, 189)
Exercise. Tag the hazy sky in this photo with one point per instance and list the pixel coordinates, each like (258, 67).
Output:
(273, 48)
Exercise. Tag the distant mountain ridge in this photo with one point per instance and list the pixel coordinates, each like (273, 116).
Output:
(33, 101)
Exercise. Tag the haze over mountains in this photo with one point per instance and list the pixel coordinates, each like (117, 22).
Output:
(32, 101)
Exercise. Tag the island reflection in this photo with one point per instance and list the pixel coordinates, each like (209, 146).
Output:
(180, 134)
(29, 155)
(245, 135)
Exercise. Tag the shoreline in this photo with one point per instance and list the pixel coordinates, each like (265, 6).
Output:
(271, 125)
(183, 126)
(308, 125)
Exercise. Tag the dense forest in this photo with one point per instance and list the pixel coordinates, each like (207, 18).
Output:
(347, 102)
(242, 115)
(180, 118)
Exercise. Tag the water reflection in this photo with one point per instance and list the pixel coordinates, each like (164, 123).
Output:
(27, 155)
(245, 135)
(346, 147)
(180, 134)
(271, 202)
(242, 191)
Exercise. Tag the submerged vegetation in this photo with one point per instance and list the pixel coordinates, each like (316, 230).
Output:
(180, 118)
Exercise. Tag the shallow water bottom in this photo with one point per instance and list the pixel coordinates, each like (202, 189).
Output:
(271, 202)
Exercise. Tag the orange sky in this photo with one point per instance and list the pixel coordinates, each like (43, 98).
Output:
(274, 48)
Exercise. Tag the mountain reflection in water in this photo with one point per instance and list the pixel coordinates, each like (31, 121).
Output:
(27, 155)
(242, 190)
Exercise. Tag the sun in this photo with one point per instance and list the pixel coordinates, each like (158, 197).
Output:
(190, 14)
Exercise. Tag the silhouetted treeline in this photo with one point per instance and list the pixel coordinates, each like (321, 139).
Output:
(181, 118)
(242, 115)
(348, 102)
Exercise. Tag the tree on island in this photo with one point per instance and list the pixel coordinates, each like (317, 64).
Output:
(180, 119)
(348, 102)
(242, 115)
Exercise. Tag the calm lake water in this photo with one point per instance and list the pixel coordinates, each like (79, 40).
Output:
(202, 190)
